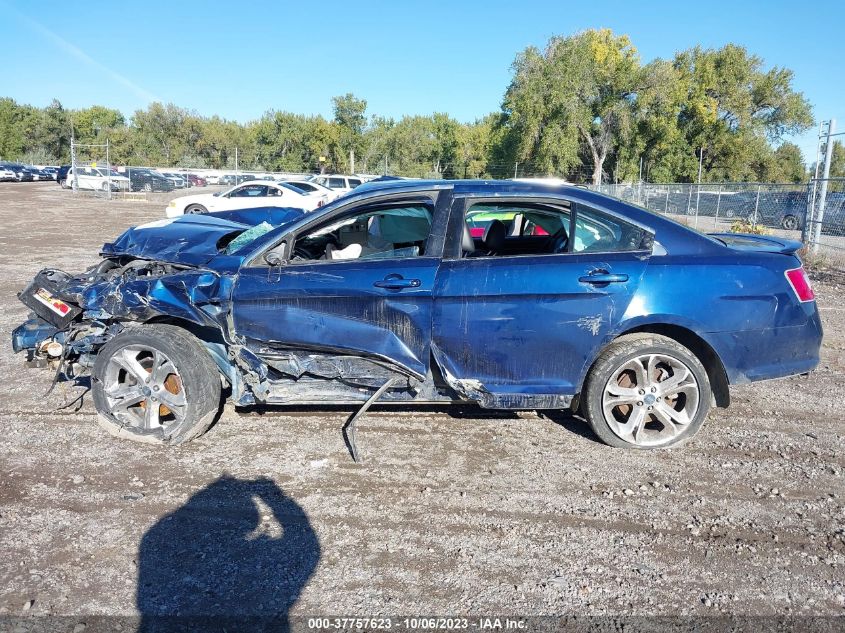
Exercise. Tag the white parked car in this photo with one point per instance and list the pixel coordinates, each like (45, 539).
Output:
(337, 182)
(7, 174)
(250, 194)
(313, 189)
(97, 179)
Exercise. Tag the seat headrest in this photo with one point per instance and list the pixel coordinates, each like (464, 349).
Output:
(467, 243)
(494, 236)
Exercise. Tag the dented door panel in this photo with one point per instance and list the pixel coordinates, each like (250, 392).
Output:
(523, 327)
(378, 308)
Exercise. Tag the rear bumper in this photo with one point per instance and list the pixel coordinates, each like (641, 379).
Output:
(752, 355)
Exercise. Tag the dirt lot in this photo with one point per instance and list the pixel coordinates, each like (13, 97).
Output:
(460, 512)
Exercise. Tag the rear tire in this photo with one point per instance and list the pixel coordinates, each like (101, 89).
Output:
(148, 187)
(646, 391)
(156, 384)
(789, 222)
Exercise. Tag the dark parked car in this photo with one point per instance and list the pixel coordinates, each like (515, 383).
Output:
(385, 295)
(22, 172)
(232, 179)
(61, 176)
(143, 179)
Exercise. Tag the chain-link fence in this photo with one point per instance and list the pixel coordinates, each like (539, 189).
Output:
(787, 210)
(824, 226)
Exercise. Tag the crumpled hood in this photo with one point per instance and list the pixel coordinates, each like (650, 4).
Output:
(193, 240)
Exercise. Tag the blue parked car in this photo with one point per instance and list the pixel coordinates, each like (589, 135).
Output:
(567, 299)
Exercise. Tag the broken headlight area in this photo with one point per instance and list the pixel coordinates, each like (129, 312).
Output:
(68, 320)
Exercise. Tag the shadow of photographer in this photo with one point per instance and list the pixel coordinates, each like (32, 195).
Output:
(236, 556)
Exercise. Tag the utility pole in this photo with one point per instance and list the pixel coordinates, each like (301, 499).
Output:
(828, 155)
(237, 173)
(811, 201)
(352, 161)
(700, 161)
(515, 165)
(698, 189)
(75, 181)
(108, 169)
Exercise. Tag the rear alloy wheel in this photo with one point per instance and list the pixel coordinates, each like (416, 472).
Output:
(789, 222)
(156, 384)
(646, 391)
(196, 208)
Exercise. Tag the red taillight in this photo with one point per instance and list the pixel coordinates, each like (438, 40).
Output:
(797, 278)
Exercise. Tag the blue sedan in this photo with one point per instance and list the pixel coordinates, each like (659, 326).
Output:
(511, 295)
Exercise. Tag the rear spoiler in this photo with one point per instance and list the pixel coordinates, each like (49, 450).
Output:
(758, 243)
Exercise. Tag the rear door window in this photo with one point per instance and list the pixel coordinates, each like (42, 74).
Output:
(597, 232)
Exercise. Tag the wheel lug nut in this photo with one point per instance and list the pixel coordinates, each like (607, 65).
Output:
(155, 388)
(639, 404)
(650, 408)
(642, 391)
(653, 389)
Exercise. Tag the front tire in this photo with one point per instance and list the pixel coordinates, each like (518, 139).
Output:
(156, 384)
(789, 222)
(646, 391)
(195, 208)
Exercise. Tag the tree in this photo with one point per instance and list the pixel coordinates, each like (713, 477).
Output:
(580, 93)
(160, 131)
(12, 137)
(90, 124)
(735, 110)
(787, 165)
(351, 118)
(837, 161)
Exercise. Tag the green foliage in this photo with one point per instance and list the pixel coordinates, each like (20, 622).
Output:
(746, 226)
(837, 162)
(584, 107)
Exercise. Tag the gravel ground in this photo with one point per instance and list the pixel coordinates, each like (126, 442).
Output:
(454, 511)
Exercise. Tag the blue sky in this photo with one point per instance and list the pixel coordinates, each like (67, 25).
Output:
(239, 59)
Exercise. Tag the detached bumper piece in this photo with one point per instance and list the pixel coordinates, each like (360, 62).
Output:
(29, 334)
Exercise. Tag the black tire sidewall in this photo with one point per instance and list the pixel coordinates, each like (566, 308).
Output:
(620, 352)
(199, 374)
(195, 209)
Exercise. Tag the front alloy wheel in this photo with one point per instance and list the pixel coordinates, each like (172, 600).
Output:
(143, 389)
(156, 384)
